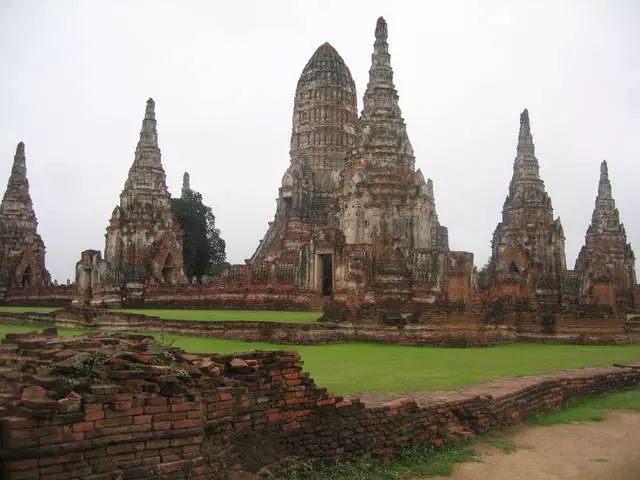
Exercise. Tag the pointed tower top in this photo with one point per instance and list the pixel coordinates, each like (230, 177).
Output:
(381, 30)
(148, 133)
(526, 172)
(381, 97)
(604, 185)
(185, 182)
(16, 210)
(19, 168)
(525, 140)
(150, 111)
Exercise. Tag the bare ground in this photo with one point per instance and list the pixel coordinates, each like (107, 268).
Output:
(608, 450)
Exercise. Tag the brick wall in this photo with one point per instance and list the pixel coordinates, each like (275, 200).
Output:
(118, 407)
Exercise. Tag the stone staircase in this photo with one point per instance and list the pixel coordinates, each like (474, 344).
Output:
(633, 324)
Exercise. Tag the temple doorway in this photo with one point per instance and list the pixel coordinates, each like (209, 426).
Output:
(168, 270)
(26, 277)
(326, 273)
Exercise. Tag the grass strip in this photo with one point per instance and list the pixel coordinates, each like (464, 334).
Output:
(591, 409)
(422, 460)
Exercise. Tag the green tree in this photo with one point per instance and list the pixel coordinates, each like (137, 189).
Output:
(203, 247)
(483, 277)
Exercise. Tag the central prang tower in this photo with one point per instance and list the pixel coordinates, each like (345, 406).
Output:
(323, 134)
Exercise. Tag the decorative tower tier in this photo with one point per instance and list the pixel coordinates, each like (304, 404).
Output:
(22, 250)
(144, 240)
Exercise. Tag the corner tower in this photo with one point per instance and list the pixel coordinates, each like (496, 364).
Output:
(528, 245)
(143, 239)
(323, 134)
(606, 260)
(22, 250)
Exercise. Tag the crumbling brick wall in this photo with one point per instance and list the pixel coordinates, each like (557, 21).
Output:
(117, 407)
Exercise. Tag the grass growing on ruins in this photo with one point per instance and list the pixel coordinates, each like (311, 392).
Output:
(349, 368)
(229, 315)
(589, 409)
(422, 460)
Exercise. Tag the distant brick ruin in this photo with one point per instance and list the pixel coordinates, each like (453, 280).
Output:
(22, 250)
(528, 264)
(606, 261)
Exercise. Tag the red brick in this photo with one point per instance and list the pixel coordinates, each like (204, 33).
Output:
(83, 427)
(186, 424)
(140, 419)
(21, 465)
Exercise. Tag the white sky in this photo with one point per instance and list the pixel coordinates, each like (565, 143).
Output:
(76, 75)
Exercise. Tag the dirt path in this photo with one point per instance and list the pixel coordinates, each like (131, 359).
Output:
(608, 450)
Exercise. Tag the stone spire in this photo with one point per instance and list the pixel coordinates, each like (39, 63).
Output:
(22, 250)
(185, 183)
(381, 97)
(147, 151)
(526, 187)
(382, 135)
(16, 210)
(605, 217)
(146, 172)
(606, 255)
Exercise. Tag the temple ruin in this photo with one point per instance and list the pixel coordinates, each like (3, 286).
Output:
(143, 239)
(22, 250)
(354, 216)
(606, 261)
(356, 232)
(528, 245)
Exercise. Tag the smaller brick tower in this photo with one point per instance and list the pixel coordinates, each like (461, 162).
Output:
(528, 245)
(21, 248)
(144, 240)
(606, 259)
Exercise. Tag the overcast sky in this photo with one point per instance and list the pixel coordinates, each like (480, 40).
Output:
(76, 76)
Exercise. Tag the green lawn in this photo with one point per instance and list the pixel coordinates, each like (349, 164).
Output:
(28, 309)
(360, 367)
(222, 315)
(202, 315)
